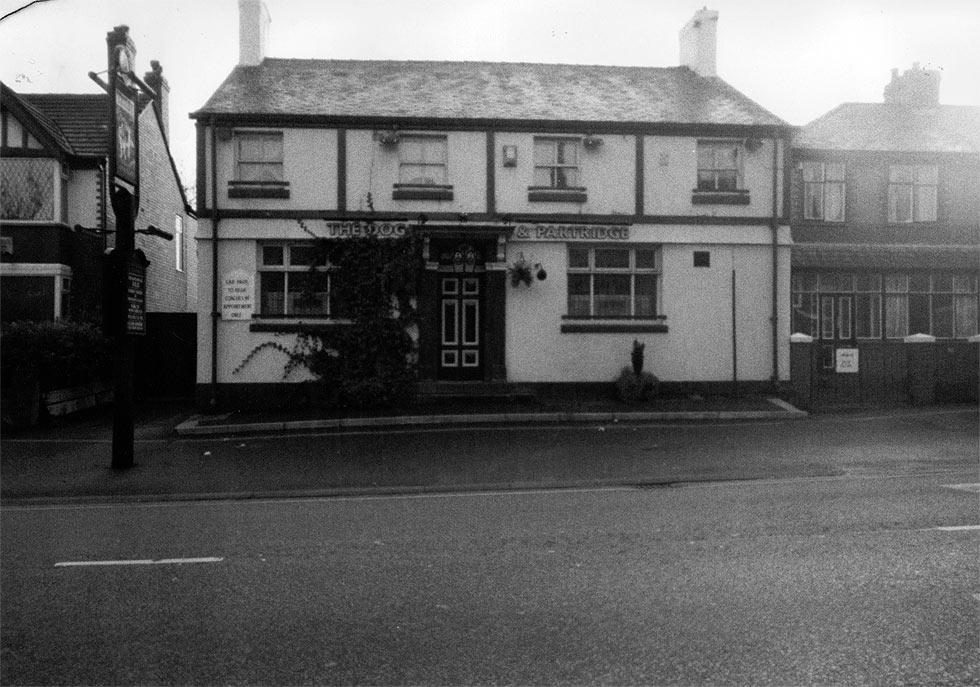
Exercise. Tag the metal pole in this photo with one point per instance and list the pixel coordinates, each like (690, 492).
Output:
(124, 344)
(734, 342)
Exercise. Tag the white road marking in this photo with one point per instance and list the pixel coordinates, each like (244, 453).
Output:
(957, 528)
(975, 488)
(138, 561)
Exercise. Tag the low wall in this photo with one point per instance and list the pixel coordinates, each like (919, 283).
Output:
(915, 371)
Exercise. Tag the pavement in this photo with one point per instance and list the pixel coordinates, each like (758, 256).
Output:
(181, 454)
(482, 446)
(473, 412)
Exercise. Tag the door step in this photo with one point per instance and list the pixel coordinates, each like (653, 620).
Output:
(500, 391)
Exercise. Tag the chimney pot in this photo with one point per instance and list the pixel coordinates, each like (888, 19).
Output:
(698, 42)
(916, 87)
(161, 103)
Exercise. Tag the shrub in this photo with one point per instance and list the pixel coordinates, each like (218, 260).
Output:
(634, 384)
(54, 354)
(632, 387)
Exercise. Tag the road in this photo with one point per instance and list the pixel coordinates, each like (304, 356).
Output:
(859, 579)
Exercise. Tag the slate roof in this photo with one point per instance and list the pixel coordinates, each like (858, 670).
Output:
(856, 256)
(82, 118)
(894, 127)
(483, 90)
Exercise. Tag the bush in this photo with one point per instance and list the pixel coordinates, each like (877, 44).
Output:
(634, 384)
(632, 387)
(54, 354)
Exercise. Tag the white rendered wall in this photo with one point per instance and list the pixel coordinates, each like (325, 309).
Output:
(372, 167)
(696, 301)
(670, 176)
(309, 165)
(235, 340)
(608, 174)
(83, 197)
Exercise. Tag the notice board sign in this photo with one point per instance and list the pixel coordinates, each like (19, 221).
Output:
(846, 360)
(136, 297)
(237, 295)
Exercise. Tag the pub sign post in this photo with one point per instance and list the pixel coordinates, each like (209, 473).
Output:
(126, 286)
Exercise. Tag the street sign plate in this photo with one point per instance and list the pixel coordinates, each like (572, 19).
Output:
(135, 297)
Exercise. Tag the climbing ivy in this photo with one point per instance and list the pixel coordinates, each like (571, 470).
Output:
(372, 360)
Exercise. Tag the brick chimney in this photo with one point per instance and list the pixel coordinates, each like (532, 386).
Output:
(253, 27)
(161, 103)
(698, 41)
(916, 87)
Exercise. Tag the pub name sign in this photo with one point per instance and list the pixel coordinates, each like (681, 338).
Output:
(572, 232)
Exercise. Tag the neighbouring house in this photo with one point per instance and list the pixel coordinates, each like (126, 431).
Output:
(647, 204)
(886, 255)
(56, 220)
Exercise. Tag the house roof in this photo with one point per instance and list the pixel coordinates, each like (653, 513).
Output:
(894, 127)
(79, 123)
(47, 128)
(839, 256)
(483, 90)
(81, 117)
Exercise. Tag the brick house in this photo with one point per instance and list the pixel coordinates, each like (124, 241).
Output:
(53, 164)
(650, 203)
(886, 255)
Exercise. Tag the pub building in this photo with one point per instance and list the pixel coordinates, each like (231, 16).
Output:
(644, 203)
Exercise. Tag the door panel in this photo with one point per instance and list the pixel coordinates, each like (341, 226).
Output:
(461, 342)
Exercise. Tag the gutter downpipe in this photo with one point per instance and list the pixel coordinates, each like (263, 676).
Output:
(215, 219)
(774, 225)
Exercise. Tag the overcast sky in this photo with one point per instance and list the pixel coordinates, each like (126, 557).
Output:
(796, 59)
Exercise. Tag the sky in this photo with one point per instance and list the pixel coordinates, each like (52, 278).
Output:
(796, 59)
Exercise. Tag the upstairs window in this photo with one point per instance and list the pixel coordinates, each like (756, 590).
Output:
(422, 160)
(719, 166)
(823, 191)
(912, 193)
(258, 166)
(423, 168)
(295, 279)
(556, 163)
(259, 156)
(613, 282)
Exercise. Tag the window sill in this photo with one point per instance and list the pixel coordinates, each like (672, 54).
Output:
(617, 325)
(258, 189)
(418, 192)
(720, 197)
(283, 326)
(545, 194)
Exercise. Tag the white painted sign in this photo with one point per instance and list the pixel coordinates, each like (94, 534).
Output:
(572, 232)
(387, 230)
(237, 295)
(847, 360)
